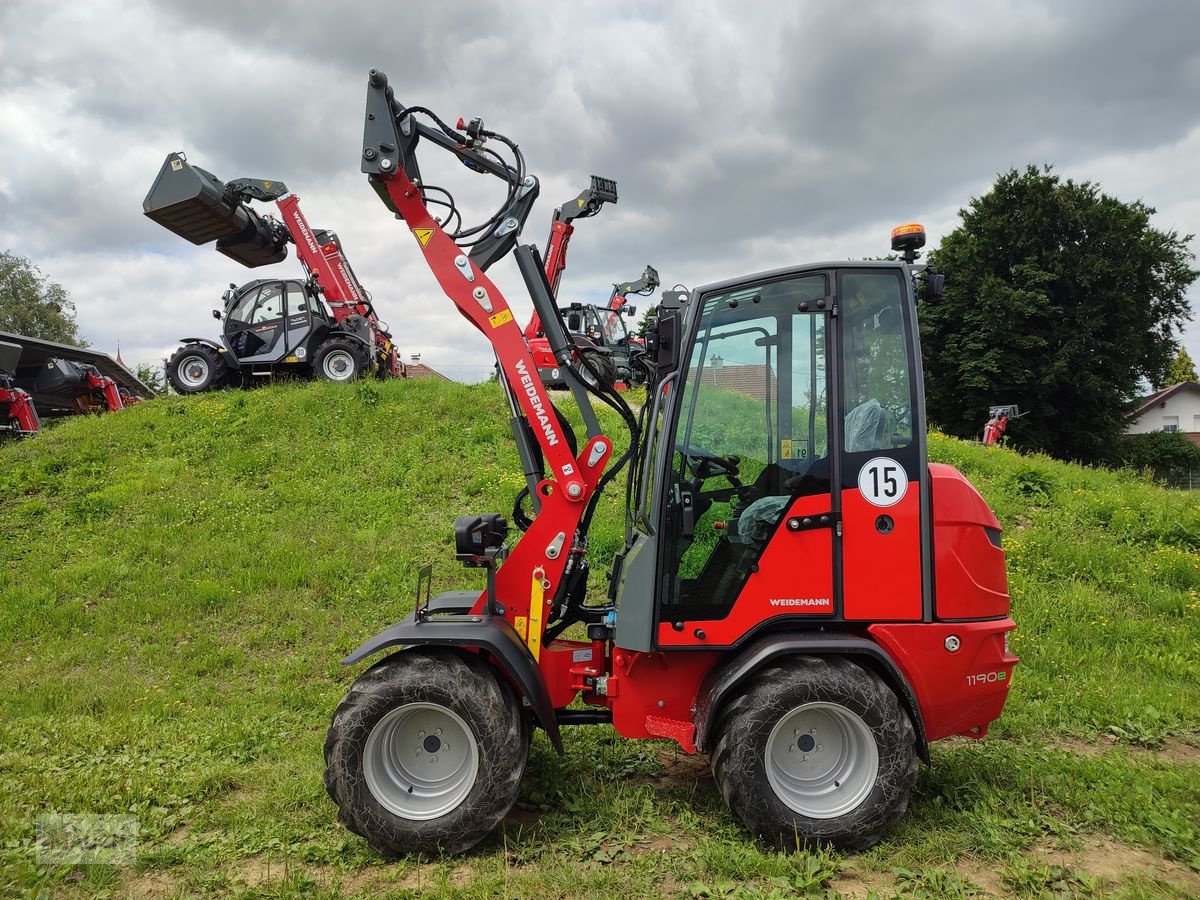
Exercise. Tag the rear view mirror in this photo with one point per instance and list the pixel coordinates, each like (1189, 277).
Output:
(666, 340)
(630, 310)
(935, 282)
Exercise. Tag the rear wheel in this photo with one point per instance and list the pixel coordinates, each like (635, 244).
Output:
(195, 368)
(340, 359)
(425, 753)
(816, 751)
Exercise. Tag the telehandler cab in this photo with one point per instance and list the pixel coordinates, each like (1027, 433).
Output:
(802, 595)
(325, 325)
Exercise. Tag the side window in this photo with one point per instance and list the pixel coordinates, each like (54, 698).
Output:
(270, 304)
(297, 299)
(878, 394)
(244, 308)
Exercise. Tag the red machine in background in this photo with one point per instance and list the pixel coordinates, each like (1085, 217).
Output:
(997, 424)
(18, 416)
(587, 204)
(801, 594)
(41, 379)
(324, 326)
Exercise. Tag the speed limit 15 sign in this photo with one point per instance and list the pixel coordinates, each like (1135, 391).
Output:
(882, 481)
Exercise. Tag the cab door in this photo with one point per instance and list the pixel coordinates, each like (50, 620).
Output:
(254, 328)
(749, 514)
(884, 503)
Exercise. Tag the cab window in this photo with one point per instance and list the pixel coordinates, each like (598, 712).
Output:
(878, 393)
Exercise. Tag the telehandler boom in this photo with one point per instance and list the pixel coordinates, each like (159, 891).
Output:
(802, 595)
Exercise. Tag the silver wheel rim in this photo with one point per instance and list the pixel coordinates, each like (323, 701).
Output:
(193, 371)
(821, 760)
(421, 761)
(338, 365)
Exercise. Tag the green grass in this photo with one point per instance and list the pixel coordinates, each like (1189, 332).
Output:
(179, 582)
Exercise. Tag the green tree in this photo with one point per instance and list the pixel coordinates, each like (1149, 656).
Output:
(648, 316)
(152, 376)
(1181, 369)
(1059, 298)
(33, 305)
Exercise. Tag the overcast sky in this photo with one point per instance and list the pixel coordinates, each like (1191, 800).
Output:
(742, 136)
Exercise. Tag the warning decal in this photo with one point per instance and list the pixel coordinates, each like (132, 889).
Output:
(423, 235)
(500, 318)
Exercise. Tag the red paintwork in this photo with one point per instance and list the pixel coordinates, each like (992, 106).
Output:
(949, 703)
(970, 578)
(881, 572)
(20, 409)
(342, 291)
(659, 685)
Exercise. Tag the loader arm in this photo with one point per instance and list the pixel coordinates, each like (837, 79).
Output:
(647, 284)
(588, 203)
(532, 574)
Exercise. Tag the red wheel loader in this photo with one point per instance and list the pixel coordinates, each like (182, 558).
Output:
(324, 326)
(802, 595)
(18, 416)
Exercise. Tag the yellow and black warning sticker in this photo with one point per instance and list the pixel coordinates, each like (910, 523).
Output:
(785, 448)
(505, 315)
(423, 235)
(581, 203)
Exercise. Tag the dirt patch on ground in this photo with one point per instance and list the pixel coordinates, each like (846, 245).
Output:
(1112, 861)
(149, 886)
(683, 769)
(1174, 750)
(859, 885)
(982, 873)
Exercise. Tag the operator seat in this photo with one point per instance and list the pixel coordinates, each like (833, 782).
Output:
(865, 427)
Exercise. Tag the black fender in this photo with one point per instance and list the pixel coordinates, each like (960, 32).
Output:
(492, 635)
(205, 341)
(727, 675)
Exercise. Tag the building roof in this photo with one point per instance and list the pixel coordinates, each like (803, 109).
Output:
(1161, 397)
(744, 379)
(420, 370)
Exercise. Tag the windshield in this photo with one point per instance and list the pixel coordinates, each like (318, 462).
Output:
(614, 326)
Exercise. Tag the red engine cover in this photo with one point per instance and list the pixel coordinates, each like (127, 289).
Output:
(969, 573)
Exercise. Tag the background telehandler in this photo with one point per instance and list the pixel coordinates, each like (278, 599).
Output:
(323, 326)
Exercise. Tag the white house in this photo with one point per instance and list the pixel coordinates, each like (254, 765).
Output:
(1176, 408)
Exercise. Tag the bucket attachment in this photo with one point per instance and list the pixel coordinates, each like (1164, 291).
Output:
(196, 206)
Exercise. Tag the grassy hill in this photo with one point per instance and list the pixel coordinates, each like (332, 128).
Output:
(179, 582)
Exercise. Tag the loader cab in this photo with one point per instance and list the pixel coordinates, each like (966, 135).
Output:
(267, 321)
(603, 327)
(785, 473)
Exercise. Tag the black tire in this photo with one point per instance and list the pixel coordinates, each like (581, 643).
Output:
(595, 364)
(340, 359)
(195, 368)
(839, 687)
(466, 687)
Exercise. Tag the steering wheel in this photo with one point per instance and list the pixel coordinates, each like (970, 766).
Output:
(704, 465)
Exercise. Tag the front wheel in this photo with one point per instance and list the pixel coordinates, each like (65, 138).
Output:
(426, 753)
(340, 359)
(195, 368)
(816, 751)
